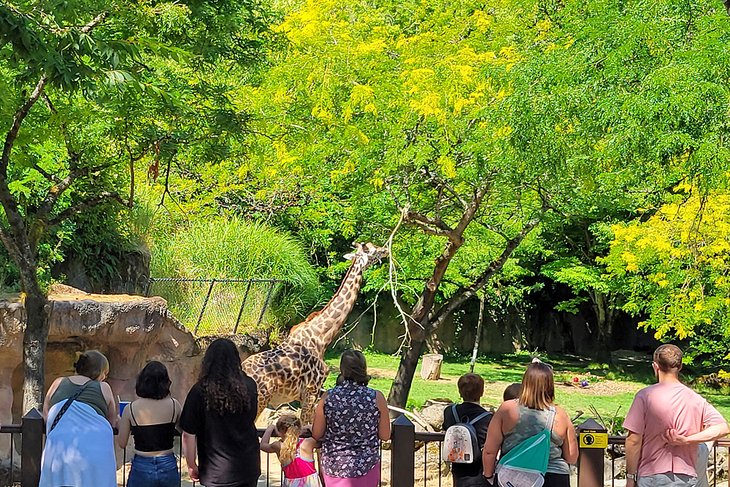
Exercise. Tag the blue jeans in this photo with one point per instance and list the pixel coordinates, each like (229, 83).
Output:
(154, 472)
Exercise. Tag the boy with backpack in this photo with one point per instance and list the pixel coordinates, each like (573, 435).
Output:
(466, 467)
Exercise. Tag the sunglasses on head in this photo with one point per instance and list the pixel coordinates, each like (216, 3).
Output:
(536, 360)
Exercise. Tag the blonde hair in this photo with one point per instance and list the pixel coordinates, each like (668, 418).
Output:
(538, 388)
(289, 428)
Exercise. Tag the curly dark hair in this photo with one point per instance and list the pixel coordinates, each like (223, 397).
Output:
(223, 379)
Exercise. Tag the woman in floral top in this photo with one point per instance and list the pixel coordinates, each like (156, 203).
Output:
(350, 420)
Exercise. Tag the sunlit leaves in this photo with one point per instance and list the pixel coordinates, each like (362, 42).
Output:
(676, 265)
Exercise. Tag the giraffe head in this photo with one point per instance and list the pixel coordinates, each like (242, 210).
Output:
(367, 254)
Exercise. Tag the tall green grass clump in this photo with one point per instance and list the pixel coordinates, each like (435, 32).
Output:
(231, 248)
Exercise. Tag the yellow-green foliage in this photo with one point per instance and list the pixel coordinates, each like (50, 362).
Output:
(676, 265)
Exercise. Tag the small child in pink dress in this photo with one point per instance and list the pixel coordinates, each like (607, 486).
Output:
(296, 454)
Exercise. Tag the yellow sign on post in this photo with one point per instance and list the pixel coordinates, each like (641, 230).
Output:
(590, 439)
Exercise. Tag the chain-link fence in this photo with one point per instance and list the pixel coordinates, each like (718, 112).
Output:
(217, 306)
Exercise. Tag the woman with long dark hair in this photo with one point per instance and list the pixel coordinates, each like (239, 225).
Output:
(350, 420)
(218, 421)
(152, 420)
(519, 419)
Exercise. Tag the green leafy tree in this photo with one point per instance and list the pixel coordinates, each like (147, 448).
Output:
(74, 79)
(675, 270)
(396, 112)
(631, 96)
(469, 126)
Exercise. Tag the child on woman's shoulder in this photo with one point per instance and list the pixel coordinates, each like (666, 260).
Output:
(296, 454)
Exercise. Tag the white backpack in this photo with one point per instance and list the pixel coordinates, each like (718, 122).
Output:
(460, 441)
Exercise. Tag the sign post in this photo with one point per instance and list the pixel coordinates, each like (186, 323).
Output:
(592, 444)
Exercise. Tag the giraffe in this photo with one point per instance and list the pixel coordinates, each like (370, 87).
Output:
(295, 369)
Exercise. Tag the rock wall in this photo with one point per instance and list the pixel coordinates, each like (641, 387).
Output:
(131, 271)
(129, 330)
(504, 330)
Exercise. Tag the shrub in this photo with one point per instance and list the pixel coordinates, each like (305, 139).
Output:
(231, 248)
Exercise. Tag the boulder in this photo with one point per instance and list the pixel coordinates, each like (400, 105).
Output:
(433, 412)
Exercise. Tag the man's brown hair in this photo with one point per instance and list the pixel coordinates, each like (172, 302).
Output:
(668, 358)
(471, 387)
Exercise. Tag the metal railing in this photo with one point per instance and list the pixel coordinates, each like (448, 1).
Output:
(31, 432)
(398, 460)
(406, 443)
(215, 306)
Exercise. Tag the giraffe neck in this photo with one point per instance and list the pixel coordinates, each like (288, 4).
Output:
(318, 331)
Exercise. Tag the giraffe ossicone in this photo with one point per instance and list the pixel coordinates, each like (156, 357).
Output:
(295, 369)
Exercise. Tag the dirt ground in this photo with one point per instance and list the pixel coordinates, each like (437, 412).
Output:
(602, 388)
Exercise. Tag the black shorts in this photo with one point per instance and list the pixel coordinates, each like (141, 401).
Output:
(476, 481)
(557, 480)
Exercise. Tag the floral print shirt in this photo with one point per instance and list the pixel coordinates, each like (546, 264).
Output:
(350, 446)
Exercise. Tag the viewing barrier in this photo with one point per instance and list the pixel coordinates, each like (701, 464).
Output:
(399, 459)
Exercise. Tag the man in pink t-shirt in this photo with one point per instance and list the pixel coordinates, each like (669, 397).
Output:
(665, 424)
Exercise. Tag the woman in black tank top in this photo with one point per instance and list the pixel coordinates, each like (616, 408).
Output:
(152, 420)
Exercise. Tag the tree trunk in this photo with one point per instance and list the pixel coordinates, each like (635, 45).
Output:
(604, 326)
(34, 348)
(404, 376)
(422, 322)
(418, 326)
(478, 335)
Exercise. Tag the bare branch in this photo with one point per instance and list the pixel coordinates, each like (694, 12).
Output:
(431, 226)
(51, 177)
(72, 154)
(473, 206)
(440, 183)
(94, 22)
(492, 228)
(458, 298)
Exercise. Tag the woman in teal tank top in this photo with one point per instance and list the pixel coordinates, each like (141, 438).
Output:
(518, 419)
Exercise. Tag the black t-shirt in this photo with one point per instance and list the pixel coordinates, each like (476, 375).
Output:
(228, 445)
(468, 411)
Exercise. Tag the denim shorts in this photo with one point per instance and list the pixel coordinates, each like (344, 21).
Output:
(159, 471)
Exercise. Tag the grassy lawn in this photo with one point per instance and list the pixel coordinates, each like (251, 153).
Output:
(609, 393)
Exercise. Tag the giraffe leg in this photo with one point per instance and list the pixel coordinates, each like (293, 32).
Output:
(263, 400)
(309, 400)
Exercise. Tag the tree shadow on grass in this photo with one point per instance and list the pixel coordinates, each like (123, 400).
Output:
(634, 367)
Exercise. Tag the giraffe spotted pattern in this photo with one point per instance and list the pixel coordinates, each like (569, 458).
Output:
(295, 369)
